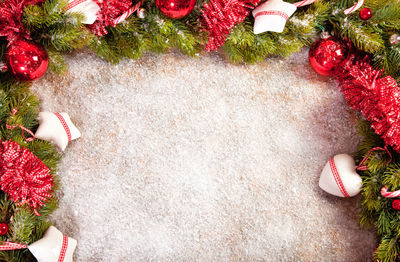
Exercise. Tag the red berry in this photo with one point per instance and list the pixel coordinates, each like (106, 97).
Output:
(365, 13)
(396, 204)
(3, 229)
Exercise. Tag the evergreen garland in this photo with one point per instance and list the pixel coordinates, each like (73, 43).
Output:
(60, 33)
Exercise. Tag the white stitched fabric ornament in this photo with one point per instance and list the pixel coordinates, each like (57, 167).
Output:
(272, 16)
(53, 247)
(339, 177)
(88, 8)
(57, 128)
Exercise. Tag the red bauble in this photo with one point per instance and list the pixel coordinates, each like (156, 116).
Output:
(396, 204)
(365, 13)
(27, 60)
(176, 8)
(3, 229)
(326, 54)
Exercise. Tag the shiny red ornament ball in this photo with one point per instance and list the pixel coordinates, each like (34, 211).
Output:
(27, 60)
(3, 229)
(396, 204)
(326, 54)
(176, 8)
(365, 13)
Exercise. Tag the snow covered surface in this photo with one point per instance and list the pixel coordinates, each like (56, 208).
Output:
(196, 159)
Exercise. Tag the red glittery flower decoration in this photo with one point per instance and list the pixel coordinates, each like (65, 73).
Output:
(375, 96)
(11, 12)
(23, 176)
(109, 11)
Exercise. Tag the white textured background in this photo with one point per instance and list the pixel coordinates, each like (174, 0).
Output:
(185, 159)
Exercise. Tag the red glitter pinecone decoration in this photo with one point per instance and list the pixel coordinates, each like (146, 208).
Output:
(220, 16)
(23, 176)
(375, 96)
(11, 25)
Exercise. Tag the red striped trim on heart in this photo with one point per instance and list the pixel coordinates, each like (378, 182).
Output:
(11, 246)
(63, 249)
(337, 178)
(64, 124)
(278, 13)
(74, 3)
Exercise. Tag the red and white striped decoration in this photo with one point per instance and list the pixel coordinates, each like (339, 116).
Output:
(338, 180)
(65, 125)
(74, 3)
(29, 139)
(389, 194)
(347, 11)
(354, 7)
(6, 246)
(304, 3)
(278, 13)
(127, 13)
(63, 249)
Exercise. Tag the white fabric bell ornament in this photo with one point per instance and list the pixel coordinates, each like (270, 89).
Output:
(339, 177)
(272, 16)
(57, 128)
(53, 247)
(88, 8)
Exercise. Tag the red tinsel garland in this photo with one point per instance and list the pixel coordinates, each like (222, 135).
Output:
(11, 12)
(23, 176)
(220, 16)
(109, 10)
(377, 97)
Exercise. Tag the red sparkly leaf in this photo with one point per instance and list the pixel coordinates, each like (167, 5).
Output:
(11, 12)
(220, 16)
(376, 97)
(23, 176)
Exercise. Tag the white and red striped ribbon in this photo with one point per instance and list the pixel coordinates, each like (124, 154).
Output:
(74, 3)
(63, 249)
(278, 13)
(29, 139)
(389, 194)
(127, 13)
(337, 178)
(65, 126)
(347, 11)
(6, 246)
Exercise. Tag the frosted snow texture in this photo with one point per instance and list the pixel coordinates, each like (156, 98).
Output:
(185, 159)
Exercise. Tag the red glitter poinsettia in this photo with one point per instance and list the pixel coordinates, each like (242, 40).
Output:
(109, 11)
(220, 16)
(23, 176)
(376, 97)
(11, 12)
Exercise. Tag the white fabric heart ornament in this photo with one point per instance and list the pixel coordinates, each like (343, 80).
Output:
(272, 16)
(339, 177)
(88, 8)
(53, 247)
(57, 128)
